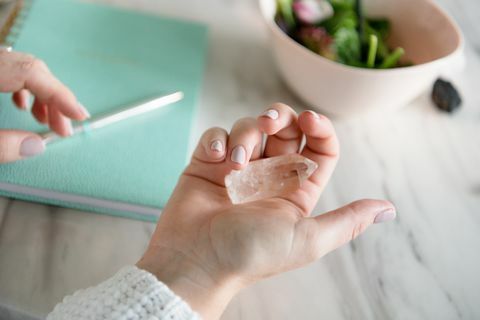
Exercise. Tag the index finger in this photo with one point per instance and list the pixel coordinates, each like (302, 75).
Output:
(22, 71)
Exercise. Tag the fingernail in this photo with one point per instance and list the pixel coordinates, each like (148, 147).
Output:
(386, 215)
(217, 146)
(238, 155)
(69, 129)
(28, 102)
(271, 113)
(83, 110)
(31, 146)
(314, 114)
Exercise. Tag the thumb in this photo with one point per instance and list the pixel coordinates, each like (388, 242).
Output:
(16, 145)
(335, 228)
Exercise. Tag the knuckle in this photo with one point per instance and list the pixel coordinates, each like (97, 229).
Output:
(216, 130)
(245, 122)
(350, 214)
(251, 127)
(214, 133)
(26, 63)
(351, 218)
(29, 63)
(357, 206)
(358, 229)
(246, 126)
(356, 219)
(39, 64)
(254, 131)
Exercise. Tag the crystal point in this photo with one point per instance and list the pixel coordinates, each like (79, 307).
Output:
(269, 177)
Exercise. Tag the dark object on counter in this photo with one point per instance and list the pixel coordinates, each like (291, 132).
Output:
(445, 96)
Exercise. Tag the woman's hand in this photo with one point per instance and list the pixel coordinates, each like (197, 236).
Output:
(206, 249)
(54, 103)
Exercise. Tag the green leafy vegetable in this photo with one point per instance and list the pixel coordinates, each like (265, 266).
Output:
(347, 37)
(382, 50)
(372, 51)
(285, 9)
(391, 60)
(347, 45)
(343, 19)
(342, 4)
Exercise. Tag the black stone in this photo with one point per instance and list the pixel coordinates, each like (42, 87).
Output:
(445, 96)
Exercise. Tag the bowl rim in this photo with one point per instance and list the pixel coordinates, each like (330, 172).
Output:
(279, 33)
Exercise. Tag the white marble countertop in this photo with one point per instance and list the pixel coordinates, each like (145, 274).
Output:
(424, 265)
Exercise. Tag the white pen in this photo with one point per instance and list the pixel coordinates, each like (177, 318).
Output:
(104, 120)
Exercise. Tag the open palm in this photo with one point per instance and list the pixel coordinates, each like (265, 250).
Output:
(204, 235)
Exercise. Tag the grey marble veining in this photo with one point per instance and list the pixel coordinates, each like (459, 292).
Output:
(422, 266)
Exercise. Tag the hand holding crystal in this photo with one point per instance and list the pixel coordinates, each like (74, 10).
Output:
(206, 249)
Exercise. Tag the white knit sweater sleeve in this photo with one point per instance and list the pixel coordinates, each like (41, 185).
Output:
(130, 294)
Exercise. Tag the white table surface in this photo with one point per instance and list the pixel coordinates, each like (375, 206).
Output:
(425, 265)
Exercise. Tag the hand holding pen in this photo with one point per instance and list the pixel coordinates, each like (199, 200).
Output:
(54, 104)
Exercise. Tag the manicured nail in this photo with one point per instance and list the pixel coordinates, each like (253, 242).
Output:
(83, 110)
(238, 155)
(386, 215)
(216, 146)
(271, 113)
(25, 100)
(28, 102)
(31, 146)
(314, 114)
(69, 129)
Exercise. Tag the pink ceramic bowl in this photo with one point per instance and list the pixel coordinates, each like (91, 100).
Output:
(431, 39)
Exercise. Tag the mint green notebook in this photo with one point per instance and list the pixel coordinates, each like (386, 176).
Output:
(109, 58)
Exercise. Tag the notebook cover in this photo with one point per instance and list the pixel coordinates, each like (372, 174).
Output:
(111, 57)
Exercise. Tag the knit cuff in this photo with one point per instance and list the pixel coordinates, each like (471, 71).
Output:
(132, 293)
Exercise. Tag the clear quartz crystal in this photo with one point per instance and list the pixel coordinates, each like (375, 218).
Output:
(270, 177)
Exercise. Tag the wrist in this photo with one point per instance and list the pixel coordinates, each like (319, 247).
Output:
(209, 302)
(206, 294)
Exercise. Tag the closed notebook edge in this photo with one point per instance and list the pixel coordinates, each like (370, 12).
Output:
(68, 200)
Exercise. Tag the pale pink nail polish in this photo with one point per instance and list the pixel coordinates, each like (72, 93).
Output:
(69, 129)
(216, 146)
(26, 101)
(386, 215)
(271, 113)
(83, 110)
(32, 146)
(239, 155)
